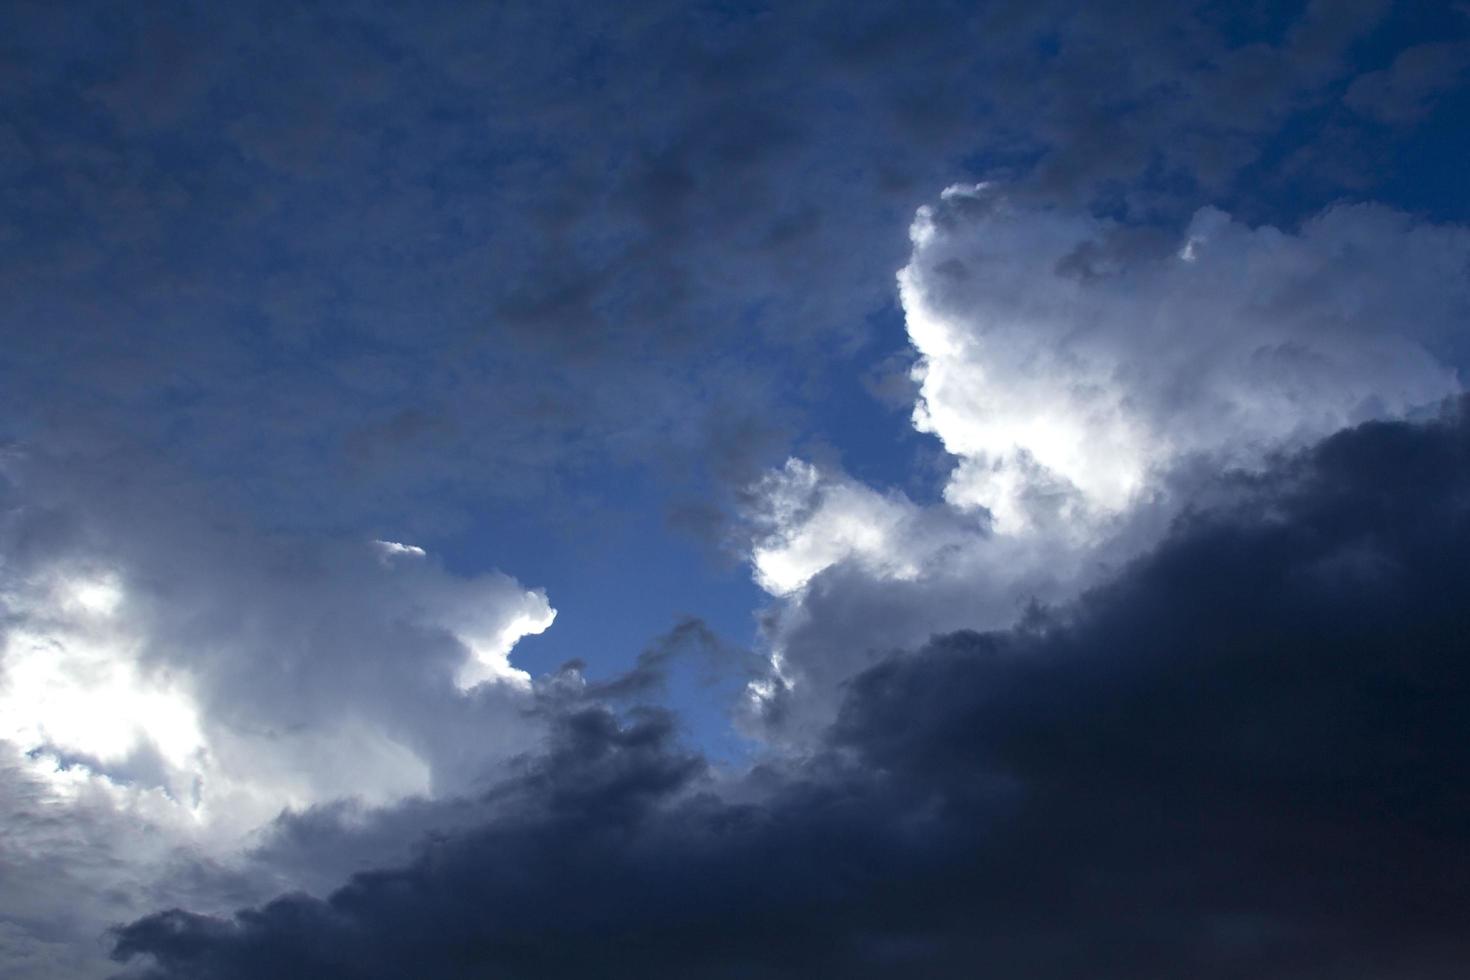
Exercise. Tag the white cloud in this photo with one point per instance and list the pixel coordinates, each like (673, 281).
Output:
(394, 549)
(1068, 362)
(172, 679)
(810, 522)
(489, 633)
(248, 690)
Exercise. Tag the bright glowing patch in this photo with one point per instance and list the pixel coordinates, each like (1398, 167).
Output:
(98, 596)
(490, 645)
(1067, 366)
(809, 522)
(88, 698)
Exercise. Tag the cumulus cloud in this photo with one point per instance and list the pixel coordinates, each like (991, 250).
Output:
(1241, 755)
(173, 676)
(1068, 362)
(806, 521)
(855, 574)
(1086, 376)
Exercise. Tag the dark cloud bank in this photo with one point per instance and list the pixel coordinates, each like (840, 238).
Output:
(1244, 756)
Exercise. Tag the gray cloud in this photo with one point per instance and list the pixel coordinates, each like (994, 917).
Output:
(1404, 92)
(549, 244)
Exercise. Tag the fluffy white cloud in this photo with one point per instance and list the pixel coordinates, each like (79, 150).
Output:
(1068, 361)
(246, 689)
(173, 679)
(808, 522)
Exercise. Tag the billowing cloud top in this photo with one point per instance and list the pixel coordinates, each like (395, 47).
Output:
(1070, 361)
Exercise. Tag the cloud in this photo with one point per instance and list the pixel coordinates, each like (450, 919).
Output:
(360, 275)
(1068, 361)
(1089, 379)
(805, 521)
(1240, 756)
(1405, 91)
(855, 574)
(173, 678)
(358, 278)
(395, 549)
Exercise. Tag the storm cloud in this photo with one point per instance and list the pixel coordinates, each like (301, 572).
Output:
(1239, 756)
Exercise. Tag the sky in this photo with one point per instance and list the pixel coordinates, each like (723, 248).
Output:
(722, 490)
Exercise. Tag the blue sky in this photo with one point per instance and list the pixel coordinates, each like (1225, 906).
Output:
(799, 357)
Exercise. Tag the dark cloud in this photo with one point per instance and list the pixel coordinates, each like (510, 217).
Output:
(1404, 92)
(1244, 756)
(257, 239)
